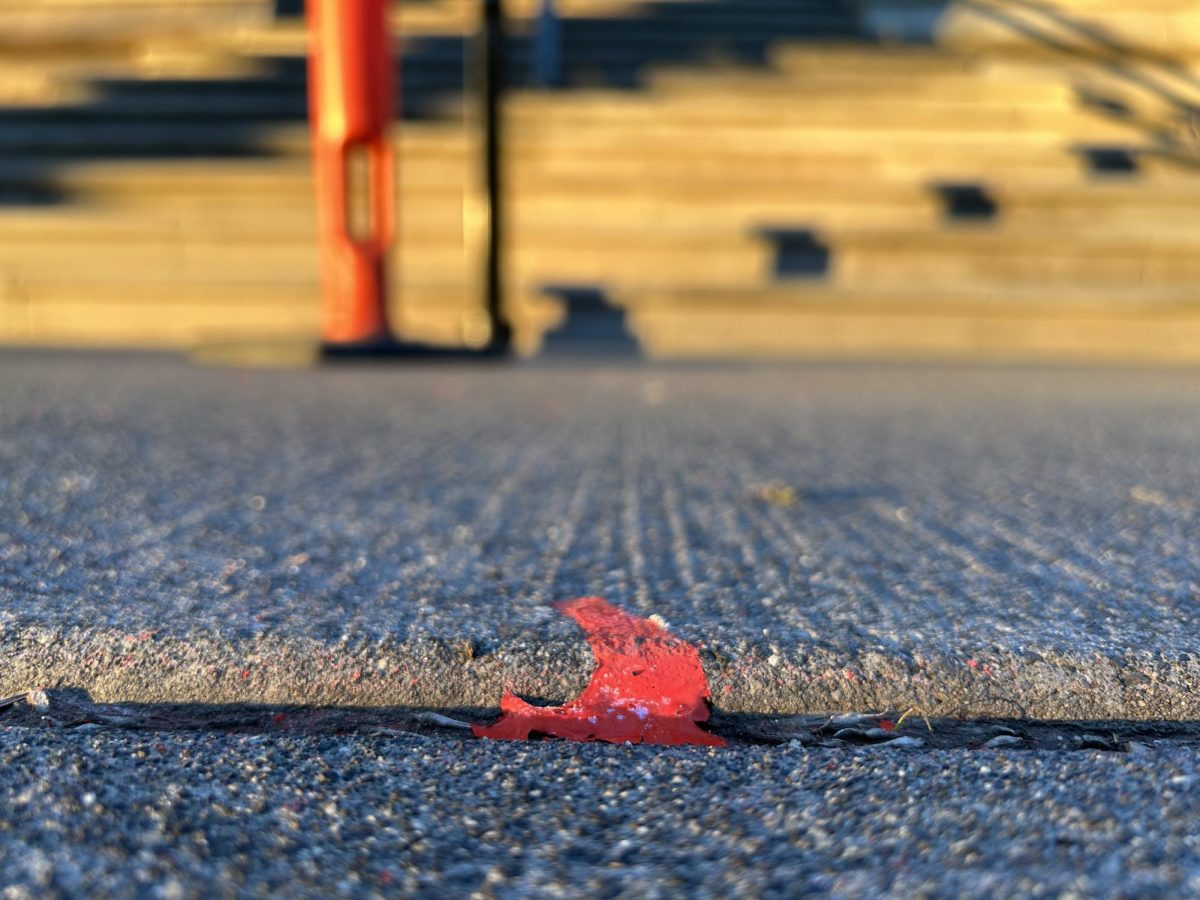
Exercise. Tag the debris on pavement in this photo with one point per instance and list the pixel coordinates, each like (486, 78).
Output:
(445, 721)
(774, 493)
(648, 687)
(904, 742)
(1003, 740)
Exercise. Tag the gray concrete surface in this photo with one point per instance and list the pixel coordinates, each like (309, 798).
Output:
(973, 541)
(118, 814)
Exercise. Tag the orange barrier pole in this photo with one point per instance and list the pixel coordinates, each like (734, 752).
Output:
(351, 103)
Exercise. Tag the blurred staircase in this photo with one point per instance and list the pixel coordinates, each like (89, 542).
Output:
(1011, 178)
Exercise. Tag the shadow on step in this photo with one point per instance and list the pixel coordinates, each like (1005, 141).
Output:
(1122, 67)
(134, 118)
(964, 203)
(799, 253)
(144, 118)
(594, 326)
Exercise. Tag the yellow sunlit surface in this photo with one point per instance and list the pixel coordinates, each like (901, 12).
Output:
(667, 197)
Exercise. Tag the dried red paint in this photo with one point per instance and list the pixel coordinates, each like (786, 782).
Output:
(887, 725)
(648, 686)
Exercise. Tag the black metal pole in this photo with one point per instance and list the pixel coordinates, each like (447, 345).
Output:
(493, 68)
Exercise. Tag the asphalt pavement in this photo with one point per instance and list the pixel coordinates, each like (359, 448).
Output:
(187, 814)
(976, 541)
(244, 591)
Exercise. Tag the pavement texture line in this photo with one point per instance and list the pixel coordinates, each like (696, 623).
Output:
(971, 541)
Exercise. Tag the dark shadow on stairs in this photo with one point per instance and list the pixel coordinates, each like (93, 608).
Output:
(594, 326)
(138, 119)
(966, 203)
(1113, 57)
(799, 252)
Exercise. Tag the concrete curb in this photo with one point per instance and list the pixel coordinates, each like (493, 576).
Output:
(210, 669)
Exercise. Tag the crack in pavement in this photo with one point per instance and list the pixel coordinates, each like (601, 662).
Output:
(73, 708)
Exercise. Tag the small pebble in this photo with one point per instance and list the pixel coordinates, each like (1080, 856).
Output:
(904, 742)
(1003, 740)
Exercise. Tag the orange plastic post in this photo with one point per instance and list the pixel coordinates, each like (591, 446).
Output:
(351, 103)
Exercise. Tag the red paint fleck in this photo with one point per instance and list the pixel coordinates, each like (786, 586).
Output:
(728, 689)
(648, 686)
(887, 724)
(848, 675)
(974, 664)
(245, 673)
(279, 718)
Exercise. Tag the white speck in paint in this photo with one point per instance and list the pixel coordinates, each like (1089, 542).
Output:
(641, 712)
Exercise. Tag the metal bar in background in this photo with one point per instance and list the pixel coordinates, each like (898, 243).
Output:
(492, 71)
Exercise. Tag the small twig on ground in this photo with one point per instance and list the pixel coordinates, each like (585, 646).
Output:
(910, 711)
(439, 719)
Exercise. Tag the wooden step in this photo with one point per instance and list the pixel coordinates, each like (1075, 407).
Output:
(148, 314)
(757, 85)
(1003, 27)
(885, 260)
(828, 207)
(1042, 325)
(28, 27)
(724, 256)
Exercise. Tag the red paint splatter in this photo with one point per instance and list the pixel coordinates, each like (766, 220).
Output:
(245, 673)
(648, 686)
(973, 663)
(887, 725)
